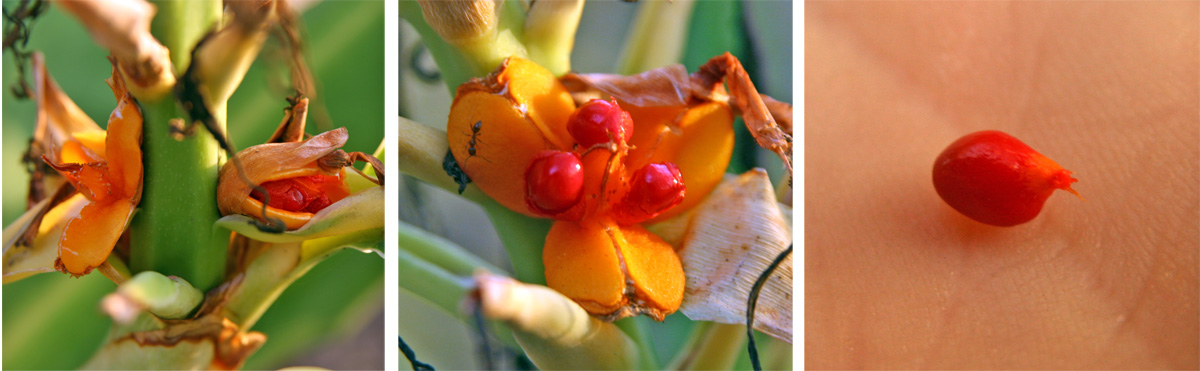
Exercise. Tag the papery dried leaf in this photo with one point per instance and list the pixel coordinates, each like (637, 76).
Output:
(745, 97)
(209, 342)
(669, 86)
(58, 117)
(291, 129)
(221, 60)
(781, 111)
(21, 261)
(61, 128)
(730, 240)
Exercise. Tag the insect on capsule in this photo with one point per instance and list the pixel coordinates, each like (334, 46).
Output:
(995, 179)
(474, 142)
(474, 136)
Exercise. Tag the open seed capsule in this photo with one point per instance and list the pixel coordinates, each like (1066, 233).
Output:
(291, 173)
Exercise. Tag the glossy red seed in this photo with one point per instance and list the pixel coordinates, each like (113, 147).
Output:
(994, 178)
(653, 189)
(553, 182)
(598, 121)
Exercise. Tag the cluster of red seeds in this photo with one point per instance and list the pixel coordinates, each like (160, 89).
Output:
(307, 194)
(554, 181)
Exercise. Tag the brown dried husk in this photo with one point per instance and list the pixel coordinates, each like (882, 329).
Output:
(672, 86)
(274, 161)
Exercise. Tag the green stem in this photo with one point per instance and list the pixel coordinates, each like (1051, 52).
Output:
(441, 252)
(281, 264)
(431, 282)
(523, 239)
(179, 24)
(712, 346)
(512, 17)
(776, 354)
(172, 232)
(443, 289)
(550, 28)
(635, 327)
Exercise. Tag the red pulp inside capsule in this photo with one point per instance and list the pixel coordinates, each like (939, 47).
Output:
(307, 194)
(996, 179)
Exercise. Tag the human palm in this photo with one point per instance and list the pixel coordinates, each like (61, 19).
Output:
(895, 278)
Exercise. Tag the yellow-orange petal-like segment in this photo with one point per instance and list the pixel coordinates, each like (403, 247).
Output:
(548, 103)
(90, 236)
(655, 271)
(591, 262)
(701, 145)
(83, 147)
(582, 264)
(123, 144)
(499, 124)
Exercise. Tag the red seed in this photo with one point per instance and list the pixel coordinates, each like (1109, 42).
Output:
(284, 195)
(553, 182)
(994, 178)
(653, 189)
(598, 121)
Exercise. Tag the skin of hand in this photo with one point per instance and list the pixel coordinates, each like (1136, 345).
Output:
(897, 279)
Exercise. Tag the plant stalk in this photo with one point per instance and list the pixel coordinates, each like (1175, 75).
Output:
(180, 24)
(172, 231)
(281, 264)
(712, 346)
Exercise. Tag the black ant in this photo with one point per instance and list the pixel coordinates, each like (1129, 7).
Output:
(471, 150)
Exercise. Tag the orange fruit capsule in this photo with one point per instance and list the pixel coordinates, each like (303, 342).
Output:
(996, 179)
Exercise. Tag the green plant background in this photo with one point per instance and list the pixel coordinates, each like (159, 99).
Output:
(759, 33)
(51, 321)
